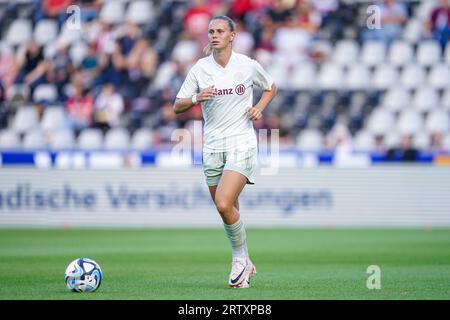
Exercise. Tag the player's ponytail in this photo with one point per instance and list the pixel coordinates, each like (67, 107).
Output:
(231, 24)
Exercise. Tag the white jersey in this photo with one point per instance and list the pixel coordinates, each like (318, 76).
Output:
(227, 125)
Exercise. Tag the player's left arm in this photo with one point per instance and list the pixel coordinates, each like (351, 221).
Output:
(255, 112)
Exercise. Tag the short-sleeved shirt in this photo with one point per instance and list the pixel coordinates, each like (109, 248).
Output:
(227, 125)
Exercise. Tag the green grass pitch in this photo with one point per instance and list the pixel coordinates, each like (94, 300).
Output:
(194, 263)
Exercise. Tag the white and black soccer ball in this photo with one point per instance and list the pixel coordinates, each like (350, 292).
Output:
(83, 275)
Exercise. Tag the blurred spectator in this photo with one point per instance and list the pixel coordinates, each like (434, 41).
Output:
(108, 107)
(8, 66)
(196, 21)
(89, 9)
(53, 9)
(244, 41)
(32, 66)
(166, 123)
(79, 110)
(276, 15)
(404, 152)
(439, 23)
(306, 17)
(393, 18)
(61, 68)
(437, 143)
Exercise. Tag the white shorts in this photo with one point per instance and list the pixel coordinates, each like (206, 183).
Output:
(239, 160)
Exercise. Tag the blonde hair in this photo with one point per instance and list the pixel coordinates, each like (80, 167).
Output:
(231, 24)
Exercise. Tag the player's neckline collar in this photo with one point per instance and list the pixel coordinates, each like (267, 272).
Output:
(228, 63)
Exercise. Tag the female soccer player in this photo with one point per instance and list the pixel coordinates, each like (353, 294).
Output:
(223, 83)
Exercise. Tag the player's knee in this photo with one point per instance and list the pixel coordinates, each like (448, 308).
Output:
(223, 205)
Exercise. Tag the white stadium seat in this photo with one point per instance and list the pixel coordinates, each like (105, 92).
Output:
(358, 77)
(62, 139)
(53, 118)
(400, 53)
(19, 32)
(421, 140)
(9, 140)
(140, 12)
(45, 31)
(425, 98)
(445, 100)
(409, 122)
(33, 140)
(373, 53)
(117, 139)
(385, 76)
(345, 52)
(413, 76)
(310, 140)
(428, 53)
(438, 120)
(397, 99)
(90, 139)
(77, 52)
(25, 119)
(413, 30)
(112, 12)
(447, 53)
(330, 76)
(439, 76)
(364, 141)
(45, 93)
(142, 139)
(380, 122)
(303, 76)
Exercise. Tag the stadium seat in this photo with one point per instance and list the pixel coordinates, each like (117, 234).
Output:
(445, 100)
(412, 76)
(112, 12)
(392, 139)
(90, 139)
(447, 53)
(9, 140)
(45, 93)
(303, 76)
(425, 98)
(421, 140)
(364, 141)
(53, 118)
(69, 36)
(33, 140)
(413, 31)
(117, 139)
(142, 139)
(45, 31)
(400, 53)
(330, 76)
(19, 92)
(409, 122)
(397, 99)
(446, 142)
(385, 76)
(345, 52)
(310, 140)
(373, 53)
(62, 140)
(185, 51)
(439, 76)
(19, 32)
(380, 121)
(77, 52)
(358, 77)
(140, 12)
(279, 73)
(428, 53)
(25, 119)
(164, 74)
(438, 120)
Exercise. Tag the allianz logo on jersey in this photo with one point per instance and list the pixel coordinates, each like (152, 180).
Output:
(239, 89)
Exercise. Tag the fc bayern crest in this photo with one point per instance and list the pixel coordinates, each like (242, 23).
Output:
(240, 89)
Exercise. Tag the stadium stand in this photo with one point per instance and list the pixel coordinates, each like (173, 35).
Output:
(131, 56)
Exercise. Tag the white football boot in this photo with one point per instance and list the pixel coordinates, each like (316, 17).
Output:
(242, 270)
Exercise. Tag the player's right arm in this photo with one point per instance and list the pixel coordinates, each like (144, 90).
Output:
(184, 104)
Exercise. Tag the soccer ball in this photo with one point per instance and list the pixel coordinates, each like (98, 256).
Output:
(83, 275)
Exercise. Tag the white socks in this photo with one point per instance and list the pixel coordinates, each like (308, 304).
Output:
(238, 239)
